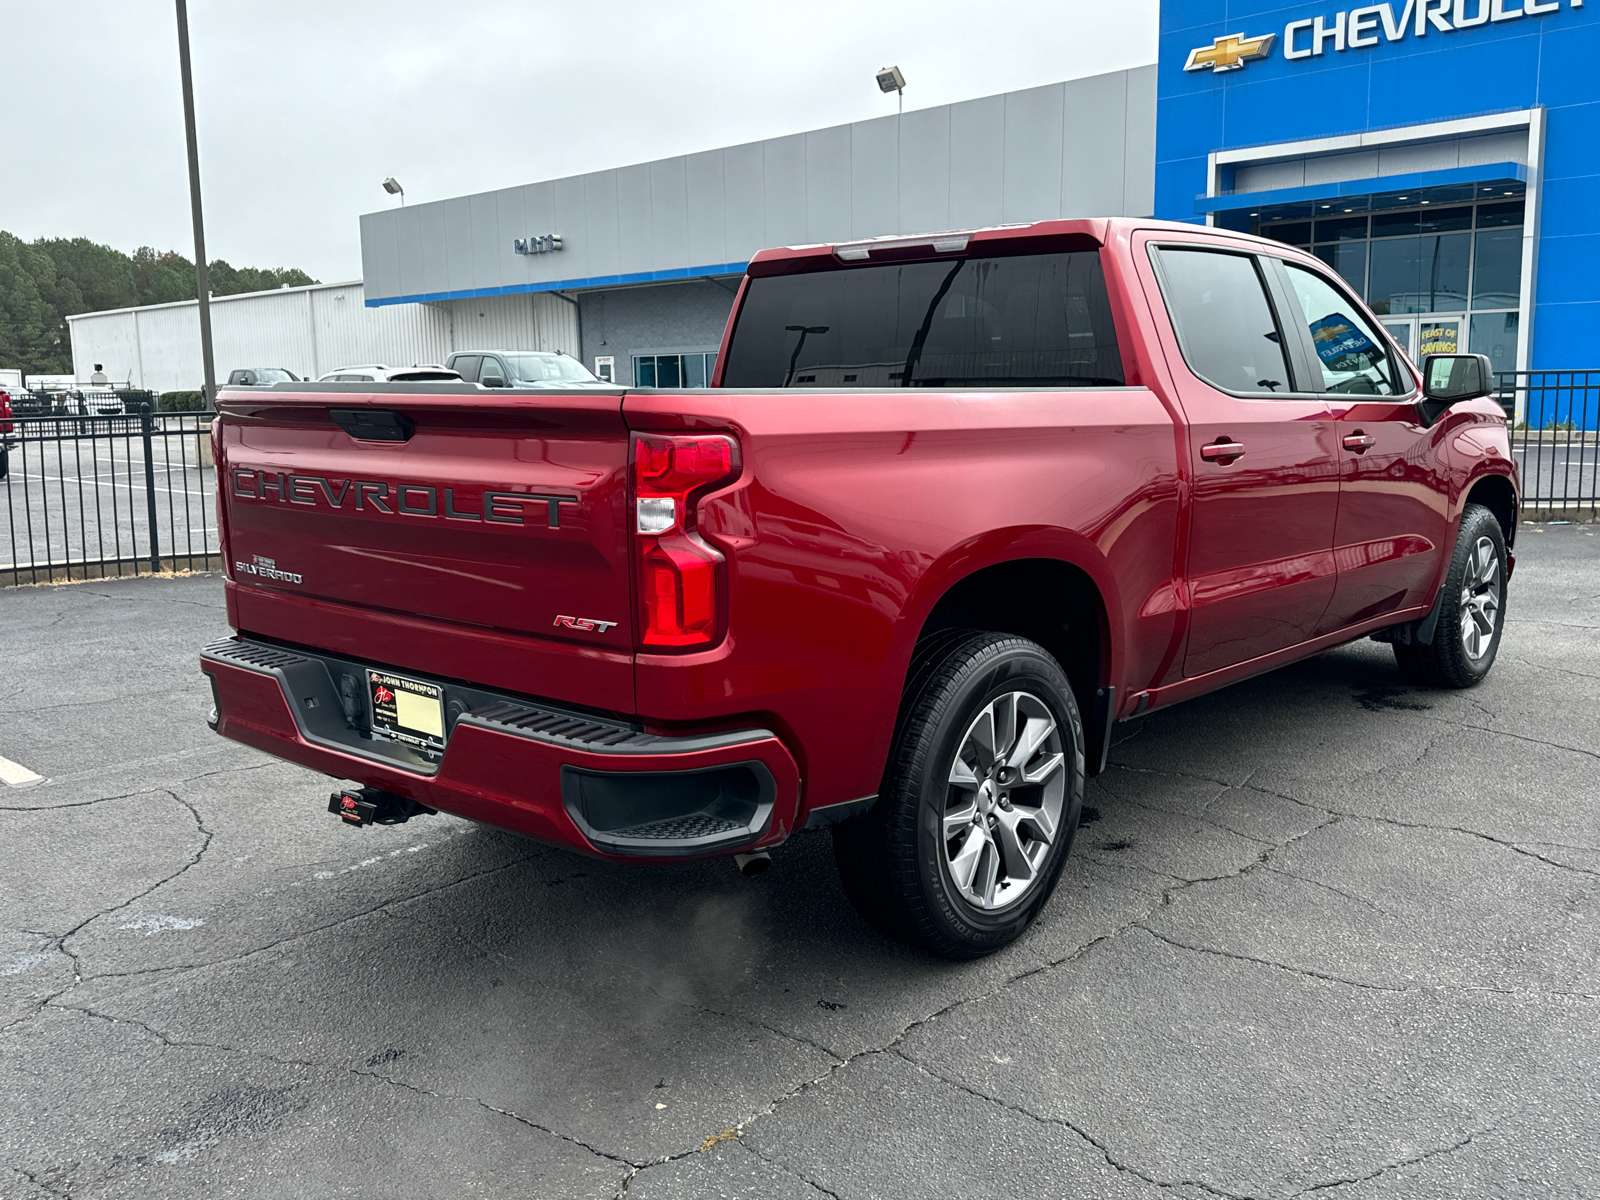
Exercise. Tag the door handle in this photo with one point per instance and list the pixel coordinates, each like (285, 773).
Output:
(1359, 442)
(1223, 450)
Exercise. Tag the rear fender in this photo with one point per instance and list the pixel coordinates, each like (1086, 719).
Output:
(996, 548)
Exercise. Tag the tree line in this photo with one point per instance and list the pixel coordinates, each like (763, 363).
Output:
(45, 281)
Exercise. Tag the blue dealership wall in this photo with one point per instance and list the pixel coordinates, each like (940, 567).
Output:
(1550, 60)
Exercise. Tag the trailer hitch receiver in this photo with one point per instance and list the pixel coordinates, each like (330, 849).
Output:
(372, 806)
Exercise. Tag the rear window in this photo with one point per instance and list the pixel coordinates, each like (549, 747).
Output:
(1038, 320)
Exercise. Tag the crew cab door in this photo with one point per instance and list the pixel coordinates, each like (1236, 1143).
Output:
(1263, 458)
(1392, 528)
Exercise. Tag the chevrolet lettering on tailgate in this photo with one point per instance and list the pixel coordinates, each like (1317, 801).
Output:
(391, 499)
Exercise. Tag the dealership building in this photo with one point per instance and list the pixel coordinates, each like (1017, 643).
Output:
(1442, 155)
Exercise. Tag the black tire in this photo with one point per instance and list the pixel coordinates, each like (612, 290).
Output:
(1460, 656)
(5, 462)
(899, 863)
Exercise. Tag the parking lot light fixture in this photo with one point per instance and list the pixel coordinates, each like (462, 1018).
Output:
(392, 186)
(890, 79)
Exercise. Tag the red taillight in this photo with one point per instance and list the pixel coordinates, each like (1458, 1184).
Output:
(5, 412)
(677, 571)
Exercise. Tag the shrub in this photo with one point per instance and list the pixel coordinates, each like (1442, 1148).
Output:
(183, 402)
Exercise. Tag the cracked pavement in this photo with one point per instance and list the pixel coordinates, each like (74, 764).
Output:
(1322, 934)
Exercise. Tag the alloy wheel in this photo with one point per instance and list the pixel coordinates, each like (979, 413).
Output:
(1002, 810)
(1480, 599)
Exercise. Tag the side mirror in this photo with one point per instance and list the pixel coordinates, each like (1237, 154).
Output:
(1451, 378)
(493, 381)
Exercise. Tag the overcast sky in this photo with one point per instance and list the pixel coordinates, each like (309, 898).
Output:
(306, 105)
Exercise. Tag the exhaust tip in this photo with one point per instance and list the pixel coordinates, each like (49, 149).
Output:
(751, 865)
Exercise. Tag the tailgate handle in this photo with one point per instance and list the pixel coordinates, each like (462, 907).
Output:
(373, 424)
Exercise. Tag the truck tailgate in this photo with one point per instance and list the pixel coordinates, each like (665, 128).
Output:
(462, 535)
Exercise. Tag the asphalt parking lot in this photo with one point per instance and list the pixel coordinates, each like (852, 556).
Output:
(1322, 934)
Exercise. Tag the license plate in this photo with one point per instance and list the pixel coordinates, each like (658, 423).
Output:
(407, 710)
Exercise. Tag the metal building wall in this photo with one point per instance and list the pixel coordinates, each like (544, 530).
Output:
(520, 322)
(309, 330)
(1085, 147)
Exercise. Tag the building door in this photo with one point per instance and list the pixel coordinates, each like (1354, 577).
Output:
(1264, 461)
(1432, 334)
(1440, 335)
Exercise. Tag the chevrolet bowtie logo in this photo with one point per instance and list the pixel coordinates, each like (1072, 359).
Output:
(1230, 52)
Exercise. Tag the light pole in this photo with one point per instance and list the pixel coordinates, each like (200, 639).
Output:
(891, 80)
(202, 285)
(392, 186)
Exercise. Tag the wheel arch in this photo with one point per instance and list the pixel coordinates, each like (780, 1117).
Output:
(1046, 590)
(1496, 493)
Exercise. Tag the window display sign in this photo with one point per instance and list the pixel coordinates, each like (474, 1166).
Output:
(1440, 337)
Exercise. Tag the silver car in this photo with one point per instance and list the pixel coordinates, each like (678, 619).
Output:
(378, 373)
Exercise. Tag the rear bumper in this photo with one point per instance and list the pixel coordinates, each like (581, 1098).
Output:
(594, 785)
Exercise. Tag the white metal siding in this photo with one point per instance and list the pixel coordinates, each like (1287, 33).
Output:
(555, 325)
(517, 322)
(309, 330)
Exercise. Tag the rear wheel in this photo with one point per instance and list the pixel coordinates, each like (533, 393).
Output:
(980, 802)
(1472, 610)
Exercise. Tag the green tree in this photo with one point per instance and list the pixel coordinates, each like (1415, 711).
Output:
(162, 277)
(33, 336)
(44, 282)
(227, 280)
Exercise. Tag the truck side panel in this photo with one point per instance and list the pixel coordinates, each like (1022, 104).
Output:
(853, 514)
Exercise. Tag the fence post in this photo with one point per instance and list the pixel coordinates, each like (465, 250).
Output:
(147, 426)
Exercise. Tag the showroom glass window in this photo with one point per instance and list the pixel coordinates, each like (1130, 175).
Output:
(691, 370)
(1456, 260)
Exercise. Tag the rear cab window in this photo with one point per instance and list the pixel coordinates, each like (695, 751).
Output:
(1022, 320)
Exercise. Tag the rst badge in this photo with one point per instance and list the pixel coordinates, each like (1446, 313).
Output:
(585, 624)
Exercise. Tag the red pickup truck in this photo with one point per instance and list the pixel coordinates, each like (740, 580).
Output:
(952, 507)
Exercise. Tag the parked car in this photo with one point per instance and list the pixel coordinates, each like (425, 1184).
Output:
(378, 373)
(260, 376)
(520, 369)
(952, 507)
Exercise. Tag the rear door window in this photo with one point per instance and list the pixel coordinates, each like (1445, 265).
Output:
(1030, 320)
(1225, 325)
(1353, 356)
(466, 365)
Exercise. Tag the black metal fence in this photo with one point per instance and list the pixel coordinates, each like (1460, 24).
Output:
(93, 490)
(1555, 419)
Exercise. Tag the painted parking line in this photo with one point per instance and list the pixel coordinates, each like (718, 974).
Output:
(15, 774)
(110, 483)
